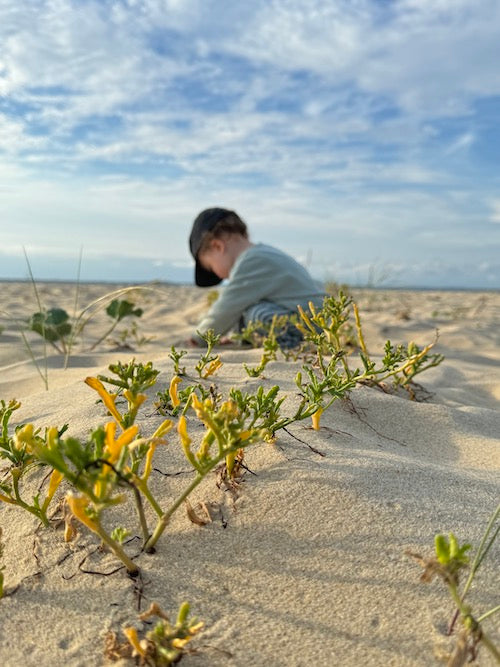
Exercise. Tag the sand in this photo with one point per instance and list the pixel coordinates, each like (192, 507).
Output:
(307, 565)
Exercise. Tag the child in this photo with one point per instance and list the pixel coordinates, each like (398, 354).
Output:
(262, 281)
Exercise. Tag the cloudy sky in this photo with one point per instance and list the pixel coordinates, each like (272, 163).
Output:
(361, 136)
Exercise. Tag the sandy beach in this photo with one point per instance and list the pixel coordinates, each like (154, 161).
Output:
(306, 564)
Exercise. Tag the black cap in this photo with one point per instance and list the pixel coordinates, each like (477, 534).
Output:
(204, 223)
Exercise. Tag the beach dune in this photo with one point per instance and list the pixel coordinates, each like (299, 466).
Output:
(305, 564)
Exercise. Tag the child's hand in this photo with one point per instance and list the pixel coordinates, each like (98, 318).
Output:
(225, 340)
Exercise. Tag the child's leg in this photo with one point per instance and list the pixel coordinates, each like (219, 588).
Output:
(264, 311)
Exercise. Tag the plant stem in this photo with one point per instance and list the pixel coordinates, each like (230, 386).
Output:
(40, 308)
(162, 523)
(488, 613)
(45, 378)
(481, 552)
(143, 487)
(33, 510)
(75, 307)
(116, 549)
(142, 517)
(478, 559)
(109, 331)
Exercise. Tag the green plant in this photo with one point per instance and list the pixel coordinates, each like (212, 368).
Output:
(270, 347)
(131, 334)
(226, 432)
(132, 379)
(163, 645)
(176, 357)
(448, 563)
(174, 401)
(212, 296)
(99, 470)
(104, 467)
(329, 375)
(18, 449)
(54, 327)
(251, 334)
(117, 310)
(208, 363)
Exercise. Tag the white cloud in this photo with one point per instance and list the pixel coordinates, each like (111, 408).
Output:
(340, 121)
(495, 215)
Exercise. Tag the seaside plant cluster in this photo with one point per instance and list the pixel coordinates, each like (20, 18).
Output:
(113, 464)
(62, 331)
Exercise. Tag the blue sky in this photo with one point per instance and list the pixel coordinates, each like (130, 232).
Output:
(361, 136)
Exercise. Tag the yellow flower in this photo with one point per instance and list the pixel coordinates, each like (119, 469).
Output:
(197, 404)
(135, 400)
(78, 505)
(52, 438)
(24, 438)
(316, 419)
(69, 529)
(230, 459)
(155, 441)
(149, 461)
(212, 367)
(131, 635)
(55, 480)
(204, 448)
(305, 318)
(174, 383)
(163, 428)
(229, 409)
(186, 441)
(114, 447)
(196, 628)
(179, 643)
(107, 398)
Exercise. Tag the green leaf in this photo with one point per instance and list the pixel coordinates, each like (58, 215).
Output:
(120, 308)
(442, 549)
(119, 534)
(53, 325)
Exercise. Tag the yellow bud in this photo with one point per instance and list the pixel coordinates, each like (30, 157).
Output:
(107, 398)
(149, 461)
(52, 438)
(174, 383)
(69, 530)
(131, 635)
(316, 417)
(78, 505)
(163, 428)
(24, 438)
(55, 480)
(305, 318)
(212, 367)
(186, 442)
(135, 400)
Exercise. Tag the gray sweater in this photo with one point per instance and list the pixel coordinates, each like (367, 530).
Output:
(261, 273)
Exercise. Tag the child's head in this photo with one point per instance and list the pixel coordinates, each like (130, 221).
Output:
(214, 243)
